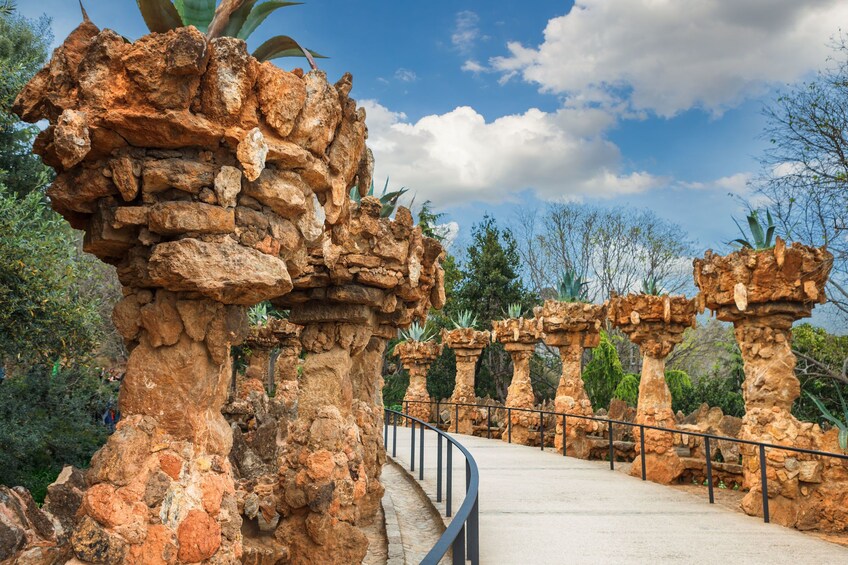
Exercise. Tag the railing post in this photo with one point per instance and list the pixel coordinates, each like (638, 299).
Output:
(563, 435)
(406, 410)
(438, 415)
(489, 423)
(449, 489)
(412, 445)
(709, 468)
(456, 418)
(642, 450)
(473, 529)
(394, 434)
(421, 455)
(764, 483)
(458, 554)
(541, 431)
(385, 428)
(439, 468)
(611, 448)
(509, 424)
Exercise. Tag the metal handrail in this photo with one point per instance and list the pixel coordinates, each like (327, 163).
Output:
(762, 446)
(462, 535)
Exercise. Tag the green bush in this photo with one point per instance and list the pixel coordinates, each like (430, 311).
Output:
(603, 373)
(628, 389)
(49, 419)
(715, 391)
(679, 384)
(395, 387)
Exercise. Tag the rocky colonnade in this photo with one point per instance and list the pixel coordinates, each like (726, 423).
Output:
(213, 182)
(656, 324)
(467, 344)
(762, 293)
(572, 327)
(416, 357)
(519, 336)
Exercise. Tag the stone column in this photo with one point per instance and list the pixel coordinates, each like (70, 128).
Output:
(763, 293)
(467, 344)
(519, 337)
(572, 327)
(416, 357)
(285, 368)
(656, 324)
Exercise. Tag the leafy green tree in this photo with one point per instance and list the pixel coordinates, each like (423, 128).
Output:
(49, 419)
(822, 369)
(628, 389)
(603, 373)
(679, 384)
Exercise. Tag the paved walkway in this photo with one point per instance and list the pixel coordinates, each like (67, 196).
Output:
(539, 507)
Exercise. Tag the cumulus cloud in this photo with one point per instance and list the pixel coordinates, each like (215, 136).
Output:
(473, 66)
(459, 157)
(405, 75)
(666, 56)
(466, 31)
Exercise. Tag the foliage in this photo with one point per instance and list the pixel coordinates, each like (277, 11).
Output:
(628, 389)
(822, 369)
(50, 420)
(572, 288)
(760, 238)
(603, 373)
(45, 314)
(714, 390)
(841, 423)
(679, 384)
(651, 286)
(231, 18)
(395, 387)
(388, 198)
(514, 310)
(464, 319)
(418, 332)
(257, 315)
(428, 220)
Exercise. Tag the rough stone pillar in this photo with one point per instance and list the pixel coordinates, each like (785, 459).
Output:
(285, 368)
(416, 357)
(572, 327)
(656, 324)
(763, 293)
(162, 487)
(519, 337)
(467, 344)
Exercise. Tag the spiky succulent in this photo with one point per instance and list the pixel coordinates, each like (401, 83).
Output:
(841, 425)
(761, 237)
(514, 310)
(651, 285)
(7, 7)
(389, 199)
(231, 18)
(572, 288)
(464, 319)
(418, 332)
(258, 315)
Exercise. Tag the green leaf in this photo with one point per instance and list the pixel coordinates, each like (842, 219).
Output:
(159, 15)
(826, 414)
(197, 13)
(258, 15)
(843, 438)
(756, 230)
(284, 46)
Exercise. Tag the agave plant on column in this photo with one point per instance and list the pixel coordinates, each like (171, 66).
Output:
(655, 322)
(417, 351)
(572, 324)
(762, 288)
(468, 343)
(519, 336)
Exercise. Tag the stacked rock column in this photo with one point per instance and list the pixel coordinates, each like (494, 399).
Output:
(416, 357)
(762, 293)
(572, 327)
(519, 337)
(285, 368)
(261, 343)
(656, 324)
(467, 344)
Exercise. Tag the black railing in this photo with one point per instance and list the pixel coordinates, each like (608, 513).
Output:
(462, 536)
(761, 447)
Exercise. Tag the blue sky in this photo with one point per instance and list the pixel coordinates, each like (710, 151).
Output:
(482, 106)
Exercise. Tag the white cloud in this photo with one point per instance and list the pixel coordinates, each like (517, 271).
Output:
(405, 75)
(736, 184)
(667, 56)
(459, 157)
(466, 32)
(473, 66)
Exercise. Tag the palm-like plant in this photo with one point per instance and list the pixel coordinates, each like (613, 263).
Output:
(761, 237)
(514, 310)
(389, 199)
(651, 286)
(572, 288)
(465, 319)
(841, 425)
(231, 18)
(7, 7)
(418, 332)
(259, 314)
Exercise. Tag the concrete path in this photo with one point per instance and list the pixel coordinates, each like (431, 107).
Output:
(539, 507)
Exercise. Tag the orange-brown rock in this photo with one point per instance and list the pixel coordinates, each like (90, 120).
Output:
(656, 324)
(467, 344)
(519, 337)
(763, 293)
(416, 357)
(572, 327)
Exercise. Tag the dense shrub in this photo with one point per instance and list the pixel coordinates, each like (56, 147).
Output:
(628, 389)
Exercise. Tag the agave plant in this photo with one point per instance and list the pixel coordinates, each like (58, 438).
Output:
(417, 332)
(514, 310)
(841, 425)
(761, 237)
(231, 18)
(7, 7)
(389, 199)
(259, 314)
(572, 288)
(651, 286)
(464, 319)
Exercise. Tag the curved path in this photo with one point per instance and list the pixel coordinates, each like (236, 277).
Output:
(539, 507)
